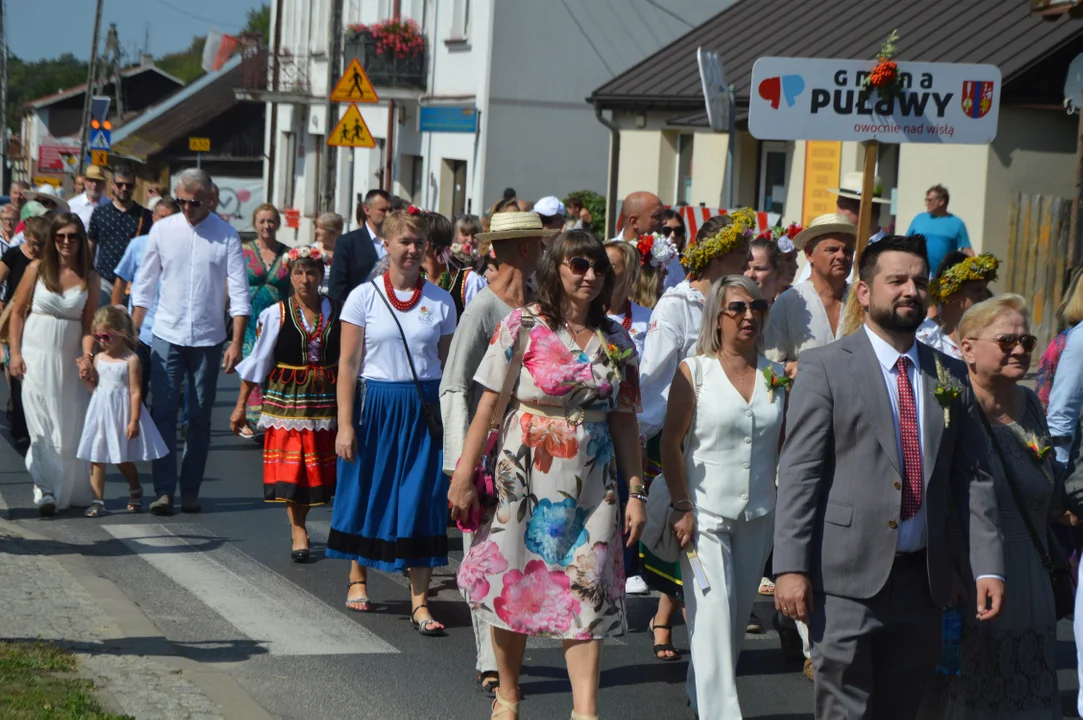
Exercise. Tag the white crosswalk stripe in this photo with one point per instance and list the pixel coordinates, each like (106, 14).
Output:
(263, 605)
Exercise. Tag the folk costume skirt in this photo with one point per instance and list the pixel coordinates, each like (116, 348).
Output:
(299, 466)
(390, 508)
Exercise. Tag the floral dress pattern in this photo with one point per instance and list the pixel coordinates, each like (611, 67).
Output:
(548, 559)
(267, 286)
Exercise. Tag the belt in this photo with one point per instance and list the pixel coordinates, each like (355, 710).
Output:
(574, 416)
(910, 559)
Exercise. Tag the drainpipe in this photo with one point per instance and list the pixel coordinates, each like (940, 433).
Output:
(389, 143)
(272, 147)
(614, 168)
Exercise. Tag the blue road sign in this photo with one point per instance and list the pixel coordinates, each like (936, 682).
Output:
(101, 139)
(448, 119)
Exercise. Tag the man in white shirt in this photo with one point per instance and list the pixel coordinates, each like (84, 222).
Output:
(191, 260)
(84, 204)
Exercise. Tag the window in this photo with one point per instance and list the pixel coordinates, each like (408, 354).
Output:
(774, 160)
(685, 145)
(460, 24)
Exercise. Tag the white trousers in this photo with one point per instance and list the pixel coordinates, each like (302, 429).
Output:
(483, 635)
(802, 630)
(732, 553)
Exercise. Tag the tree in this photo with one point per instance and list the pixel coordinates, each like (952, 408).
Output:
(188, 64)
(259, 22)
(29, 81)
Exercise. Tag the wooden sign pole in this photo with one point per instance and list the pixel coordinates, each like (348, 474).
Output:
(852, 314)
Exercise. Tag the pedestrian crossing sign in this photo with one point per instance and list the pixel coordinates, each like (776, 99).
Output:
(351, 131)
(355, 86)
(101, 139)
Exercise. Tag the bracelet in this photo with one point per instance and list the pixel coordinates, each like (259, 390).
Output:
(637, 489)
(673, 506)
(638, 496)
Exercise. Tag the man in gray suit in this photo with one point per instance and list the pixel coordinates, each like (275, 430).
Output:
(871, 476)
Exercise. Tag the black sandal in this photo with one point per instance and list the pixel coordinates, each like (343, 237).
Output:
(425, 627)
(489, 682)
(663, 647)
(363, 600)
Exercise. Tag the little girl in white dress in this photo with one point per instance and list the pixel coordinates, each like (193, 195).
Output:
(118, 430)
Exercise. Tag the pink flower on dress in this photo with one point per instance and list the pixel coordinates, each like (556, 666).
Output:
(552, 366)
(480, 562)
(598, 575)
(551, 437)
(536, 601)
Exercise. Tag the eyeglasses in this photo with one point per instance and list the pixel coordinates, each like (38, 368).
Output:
(103, 338)
(124, 184)
(580, 265)
(66, 237)
(1008, 342)
(740, 307)
(189, 203)
(676, 231)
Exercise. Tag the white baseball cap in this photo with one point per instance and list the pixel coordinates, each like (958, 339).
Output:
(549, 206)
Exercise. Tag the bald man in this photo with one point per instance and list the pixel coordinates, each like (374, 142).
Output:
(643, 213)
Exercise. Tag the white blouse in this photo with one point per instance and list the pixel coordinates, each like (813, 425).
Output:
(641, 320)
(261, 361)
(799, 322)
(931, 334)
(424, 324)
(731, 457)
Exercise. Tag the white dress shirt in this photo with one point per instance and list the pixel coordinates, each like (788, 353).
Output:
(192, 267)
(377, 243)
(82, 206)
(913, 533)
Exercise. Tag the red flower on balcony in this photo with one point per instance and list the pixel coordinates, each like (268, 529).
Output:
(401, 38)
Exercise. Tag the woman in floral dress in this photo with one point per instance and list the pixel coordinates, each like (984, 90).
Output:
(548, 560)
(268, 284)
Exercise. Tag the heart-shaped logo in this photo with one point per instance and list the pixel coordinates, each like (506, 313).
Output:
(776, 89)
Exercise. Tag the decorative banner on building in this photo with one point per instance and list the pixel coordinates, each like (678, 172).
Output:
(694, 216)
(813, 99)
(823, 163)
(51, 155)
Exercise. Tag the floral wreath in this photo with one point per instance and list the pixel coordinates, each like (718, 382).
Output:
(656, 249)
(310, 252)
(783, 236)
(698, 255)
(982, 267)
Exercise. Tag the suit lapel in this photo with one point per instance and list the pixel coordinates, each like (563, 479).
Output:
(865, 368)
(932, 414)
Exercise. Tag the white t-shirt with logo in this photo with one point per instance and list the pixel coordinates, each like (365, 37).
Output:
(641, 319)
(424, 324)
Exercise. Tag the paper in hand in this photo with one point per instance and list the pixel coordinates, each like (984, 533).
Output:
(697, 569)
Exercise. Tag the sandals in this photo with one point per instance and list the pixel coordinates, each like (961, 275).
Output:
(425, 627)
(488, 682)
(501, 706)
(767, 587)
(363, 600)
(663, 647)
(135, 500)
(96, 509)
(577, 716)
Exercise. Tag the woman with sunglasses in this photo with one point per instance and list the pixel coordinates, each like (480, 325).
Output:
(51, 348)
(1009, 662)
(548, 560)
(721, 249)
(960, 282)
(673, 228)
(720, 448)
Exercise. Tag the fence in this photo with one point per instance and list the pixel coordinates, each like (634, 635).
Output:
(1040, 258)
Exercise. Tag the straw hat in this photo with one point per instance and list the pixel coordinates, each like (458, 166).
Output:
(851, 187)
(46, 194)
(511, 225)
(830, 224)
(94, 173)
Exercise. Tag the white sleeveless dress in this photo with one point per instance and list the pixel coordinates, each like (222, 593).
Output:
(105, 433)
(54, 398)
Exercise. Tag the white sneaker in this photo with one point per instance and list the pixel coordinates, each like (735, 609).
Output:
(636, 586)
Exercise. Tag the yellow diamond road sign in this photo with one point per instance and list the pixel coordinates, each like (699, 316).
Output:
(355, 86)
(351, 131)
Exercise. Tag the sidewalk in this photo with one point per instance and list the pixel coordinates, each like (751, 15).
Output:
(50, 594)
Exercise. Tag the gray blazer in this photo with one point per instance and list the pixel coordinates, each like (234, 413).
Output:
(840, 477)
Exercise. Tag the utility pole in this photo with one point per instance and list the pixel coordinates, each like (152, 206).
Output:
(90, 77)
(3, 95)
(113, 63)
(334, 49)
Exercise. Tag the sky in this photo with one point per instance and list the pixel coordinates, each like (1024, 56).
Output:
(48, 28)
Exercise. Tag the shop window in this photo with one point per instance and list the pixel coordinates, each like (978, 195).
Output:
(774, 162)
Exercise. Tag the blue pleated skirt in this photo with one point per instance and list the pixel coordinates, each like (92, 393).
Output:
(390, 509)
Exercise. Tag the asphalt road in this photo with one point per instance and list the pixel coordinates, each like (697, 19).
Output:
(221, 588)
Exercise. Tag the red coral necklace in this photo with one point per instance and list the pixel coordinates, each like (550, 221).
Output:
(627, 321)
(402, 306)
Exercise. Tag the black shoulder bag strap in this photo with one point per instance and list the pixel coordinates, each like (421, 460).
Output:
(432, 415)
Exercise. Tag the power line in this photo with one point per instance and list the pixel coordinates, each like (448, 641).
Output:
(587, 37)
(182, 11)
(669, 12)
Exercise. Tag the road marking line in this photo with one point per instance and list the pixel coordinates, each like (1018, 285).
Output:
(253, 598)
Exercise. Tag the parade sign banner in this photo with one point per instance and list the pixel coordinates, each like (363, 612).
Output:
(814, 99)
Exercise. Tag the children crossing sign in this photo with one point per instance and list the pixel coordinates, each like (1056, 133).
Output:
(355, 86)
(351, 131)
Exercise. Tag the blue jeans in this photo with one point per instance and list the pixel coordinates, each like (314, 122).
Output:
(171, 365)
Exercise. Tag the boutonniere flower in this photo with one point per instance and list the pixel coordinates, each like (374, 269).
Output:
(1039, 446)
(947, 390)
(615, 355)
(775, 381)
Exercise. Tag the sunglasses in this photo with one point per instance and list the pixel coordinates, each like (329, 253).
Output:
(103, 338)
(1008, 342)
(124, 184)
(580, 265)
(675, 231)
(189, 203)
(66, 237)
(740, 307)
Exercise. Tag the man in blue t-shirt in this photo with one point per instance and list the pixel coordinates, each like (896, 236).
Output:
(943, 231)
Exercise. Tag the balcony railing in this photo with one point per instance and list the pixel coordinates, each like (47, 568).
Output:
(386, 69)
(282, 72)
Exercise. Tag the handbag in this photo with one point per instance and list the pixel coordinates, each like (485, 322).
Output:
(658, 535)
(483, 470)
(430, 411)
(1054, 561)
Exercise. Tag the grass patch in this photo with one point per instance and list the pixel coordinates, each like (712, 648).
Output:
(36, 683)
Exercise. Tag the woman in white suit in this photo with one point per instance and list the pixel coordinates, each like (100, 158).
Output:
(723, 481)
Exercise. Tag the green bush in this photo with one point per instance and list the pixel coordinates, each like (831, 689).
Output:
(595, 205)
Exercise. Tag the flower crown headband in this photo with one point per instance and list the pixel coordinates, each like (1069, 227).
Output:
(309, 252)
(782, 236)
(656, 249)
(982, 267)
(699, 255)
